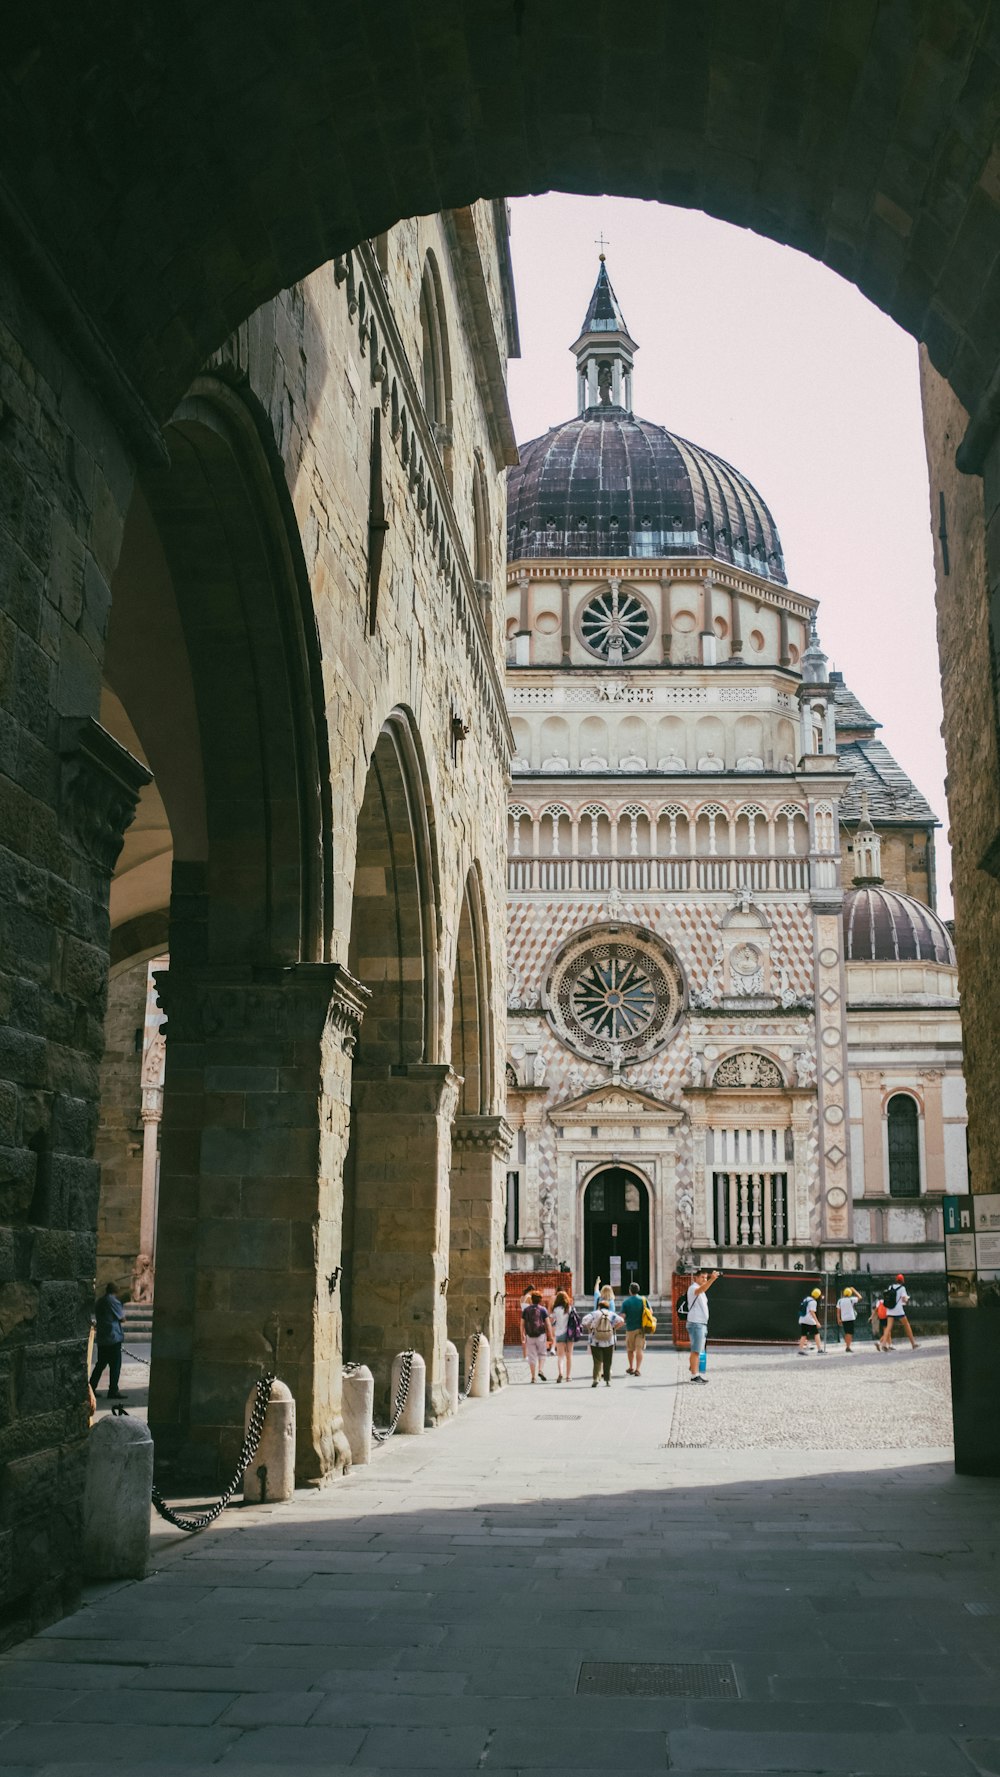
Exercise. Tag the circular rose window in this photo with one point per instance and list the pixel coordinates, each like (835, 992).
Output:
(615, 996)
(615, 622)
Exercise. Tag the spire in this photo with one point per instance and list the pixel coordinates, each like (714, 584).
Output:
(604, 351)
(867, 850)
(814, 663)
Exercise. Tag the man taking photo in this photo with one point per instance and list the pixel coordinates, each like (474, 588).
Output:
(697, 1319)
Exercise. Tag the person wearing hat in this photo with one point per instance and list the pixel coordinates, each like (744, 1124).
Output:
(809, 1327)
(847, 1314)
(896, 1297)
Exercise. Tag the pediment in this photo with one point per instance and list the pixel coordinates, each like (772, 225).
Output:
(610, 1103)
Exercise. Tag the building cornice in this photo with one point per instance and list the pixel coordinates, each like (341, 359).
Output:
(635, 569)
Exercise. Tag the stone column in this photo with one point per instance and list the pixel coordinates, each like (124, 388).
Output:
(784, 657)
(254, 1134)
(934, 1172)
(666, 633)
(736, 626)
(567, 632)
(871, 1130)
(480, 1147)
(401, 1213)
(534, 1098)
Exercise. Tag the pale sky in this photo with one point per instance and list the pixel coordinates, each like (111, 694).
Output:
(785, 370)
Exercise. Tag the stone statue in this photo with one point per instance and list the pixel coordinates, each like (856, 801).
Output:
(707, 995)
(697, 1070)
(604, 385)
(547, 1225)
(801, 1068)
(575, 1081)
(538, 1070)
(142, 1279)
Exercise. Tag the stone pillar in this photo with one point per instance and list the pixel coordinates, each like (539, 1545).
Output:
(402, 1161)
(480, 1150)
(784, 657)
(934, 1170)
(831, 1068)
(736, 625)
(566, 626)
(255, 1126)
(533, 1098)
(666, 633)
(871, 1129)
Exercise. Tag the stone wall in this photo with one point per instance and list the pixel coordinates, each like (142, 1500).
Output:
(118, 1149)
(966, 508)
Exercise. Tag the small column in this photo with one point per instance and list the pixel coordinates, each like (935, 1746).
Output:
(784, 657)
(412, 1419)
(480, 1149)
(116, 1500)
(567, 633)
(871, 1133)
(735, 624)
(666, 631)
(270, 1477)
(400, 1270)
(934, 1168)
(451, 1374)
(359, 1400)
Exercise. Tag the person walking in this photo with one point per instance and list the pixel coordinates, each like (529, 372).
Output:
(601, 1327)
(604, 1293)
(896, 1296)
(847, 1314)
(109, 1315)
(561, 1312)
(536, 1335)
(809, 1327)
(634, 1310)
(697, 1319)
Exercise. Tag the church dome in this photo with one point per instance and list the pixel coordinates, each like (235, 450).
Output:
(881, 926)
(608, 484)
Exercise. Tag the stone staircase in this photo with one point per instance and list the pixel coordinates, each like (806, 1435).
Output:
(660, 1305)
(138, 1326)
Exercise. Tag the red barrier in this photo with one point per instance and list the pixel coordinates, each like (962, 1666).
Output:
(516, 1286)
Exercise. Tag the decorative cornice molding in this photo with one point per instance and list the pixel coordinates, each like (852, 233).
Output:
(99, 788)
(348, 1002)
(484, 1135)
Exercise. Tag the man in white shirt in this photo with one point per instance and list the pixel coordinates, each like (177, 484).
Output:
(895, 1313)
(847, 1314)
(697, 1318)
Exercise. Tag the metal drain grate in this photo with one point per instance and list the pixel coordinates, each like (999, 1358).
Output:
(981, 1610)
(644, 1679)
(557, 1415)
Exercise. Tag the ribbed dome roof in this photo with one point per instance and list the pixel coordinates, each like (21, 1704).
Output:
(608, 484)
(883, 927)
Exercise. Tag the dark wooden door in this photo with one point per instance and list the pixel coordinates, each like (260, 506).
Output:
(616, 1227)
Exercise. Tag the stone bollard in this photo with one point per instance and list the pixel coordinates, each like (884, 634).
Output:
(116, 1500)
(412, 1419)
(359, 1394)
(477, 1386)
(451, 1375)
(271, 1474)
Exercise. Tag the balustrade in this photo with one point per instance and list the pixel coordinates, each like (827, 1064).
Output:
(638, 875)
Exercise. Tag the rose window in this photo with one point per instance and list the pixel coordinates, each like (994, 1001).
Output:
(615, 624)
(616, 998)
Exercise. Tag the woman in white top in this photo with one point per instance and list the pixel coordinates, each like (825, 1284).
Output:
(564, 1344)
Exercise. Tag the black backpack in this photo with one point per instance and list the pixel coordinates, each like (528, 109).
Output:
(682, 1307)
(806, 1303)
(889, 1295)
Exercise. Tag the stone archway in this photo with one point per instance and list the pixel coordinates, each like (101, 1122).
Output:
(212, 657)
(481, 1137)
(617, 1207)
(402, 1097)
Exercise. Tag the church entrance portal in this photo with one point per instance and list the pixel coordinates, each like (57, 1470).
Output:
(616, 1230)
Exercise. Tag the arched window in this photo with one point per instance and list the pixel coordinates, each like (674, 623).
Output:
(904, 1146)
(435, 358)
(482, 552)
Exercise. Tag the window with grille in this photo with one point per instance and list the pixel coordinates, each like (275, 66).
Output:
(904, 1147)
(512, 1233)
(751, 1208)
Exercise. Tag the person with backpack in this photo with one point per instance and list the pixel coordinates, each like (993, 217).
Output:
(636, 1314)
(601, 1327)
(896, 1296)
(696, 1316)
(536, 1335)
(809, 1327)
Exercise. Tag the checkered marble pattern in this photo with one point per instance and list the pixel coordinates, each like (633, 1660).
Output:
(539, 925)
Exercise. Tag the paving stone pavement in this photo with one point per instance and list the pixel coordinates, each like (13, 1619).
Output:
(432, 1612)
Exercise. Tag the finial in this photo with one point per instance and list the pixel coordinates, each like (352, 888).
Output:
(601, 243)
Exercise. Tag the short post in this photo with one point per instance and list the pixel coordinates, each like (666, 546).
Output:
(451, 1374)
(477, 1370)
(270, 1476)
(359, 1399)
(116, 1500)
(412, 1417)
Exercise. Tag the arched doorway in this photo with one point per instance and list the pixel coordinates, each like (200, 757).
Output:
(616, 1216)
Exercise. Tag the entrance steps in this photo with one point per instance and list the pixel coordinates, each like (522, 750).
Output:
(138, 1324)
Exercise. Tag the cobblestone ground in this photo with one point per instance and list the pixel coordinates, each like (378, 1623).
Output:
(433, 1612)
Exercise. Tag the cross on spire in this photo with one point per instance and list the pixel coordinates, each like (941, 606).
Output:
(601, 243)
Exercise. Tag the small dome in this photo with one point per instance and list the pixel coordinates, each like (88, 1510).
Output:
(883, 927)
(608, 484)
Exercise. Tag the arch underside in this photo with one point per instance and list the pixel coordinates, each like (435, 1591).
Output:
(860, 136)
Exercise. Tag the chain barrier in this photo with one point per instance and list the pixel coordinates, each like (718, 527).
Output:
(477, 1339)
(134, 1355)
(251, 1444)
(402, 1390)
